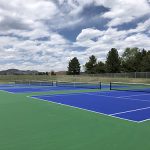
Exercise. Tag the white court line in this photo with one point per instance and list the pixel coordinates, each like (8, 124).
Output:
(63, 94)
(131, 111)
(135, 99)
(7, 92)
(120, 97)
(87, 93)
(33, 92)
(26, 92)
(144, 120)
(134, 95)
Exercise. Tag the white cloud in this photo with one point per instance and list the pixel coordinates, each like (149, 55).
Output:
(24, 24)
(89, 33)
(144, 26)
(113, 38)
(123, 11)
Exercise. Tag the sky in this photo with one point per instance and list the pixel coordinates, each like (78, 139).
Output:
(44, 35)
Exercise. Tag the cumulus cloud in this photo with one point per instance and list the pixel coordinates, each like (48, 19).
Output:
(30, 38)
(112, 37)
(125, 11)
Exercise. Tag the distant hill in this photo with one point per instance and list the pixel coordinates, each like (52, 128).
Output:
(18, 72)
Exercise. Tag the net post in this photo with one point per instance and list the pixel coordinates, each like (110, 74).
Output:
(100, 85)
(110, 85)
(56, 83)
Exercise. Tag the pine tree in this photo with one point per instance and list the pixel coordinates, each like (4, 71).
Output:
(131, 59)
(90, 66)
(74, 67)
(113, 63)
(100, 67)
(146, 63)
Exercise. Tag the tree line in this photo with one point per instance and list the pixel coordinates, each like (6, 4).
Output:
(132, 60)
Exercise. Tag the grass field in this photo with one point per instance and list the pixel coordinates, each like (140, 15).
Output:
(80, 78)
(29, 124)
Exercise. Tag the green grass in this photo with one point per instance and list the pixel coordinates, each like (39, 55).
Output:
(30, 124)
(79, 78)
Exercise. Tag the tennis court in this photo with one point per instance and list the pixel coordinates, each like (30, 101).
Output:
(74, 116)
(29, 87)
(121, 100)
(134, 107)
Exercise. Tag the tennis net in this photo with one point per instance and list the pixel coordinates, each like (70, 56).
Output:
(34, 83)
(89, 85)
(136, 87)
(9, 84)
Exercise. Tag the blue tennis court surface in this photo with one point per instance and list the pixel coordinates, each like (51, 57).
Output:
(24, 88)
(133, 106)
(30, 89)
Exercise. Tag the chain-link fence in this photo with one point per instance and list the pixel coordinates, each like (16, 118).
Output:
(143, 77)
(121, 75)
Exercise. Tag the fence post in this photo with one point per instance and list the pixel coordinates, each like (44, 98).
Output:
(135, 74)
